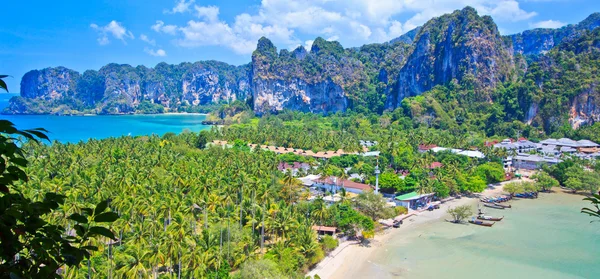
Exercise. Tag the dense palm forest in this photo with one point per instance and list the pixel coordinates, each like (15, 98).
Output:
(184, 212)
(188, 209)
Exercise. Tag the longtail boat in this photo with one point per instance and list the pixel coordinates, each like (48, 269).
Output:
(493, 206)
(503, 205)
(481, 223)
(490, 218)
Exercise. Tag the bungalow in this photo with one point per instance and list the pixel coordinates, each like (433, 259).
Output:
(334, 184)
(413, 200)
(323, 230)
(367, 143)
(426, 147)
(436, 165)
(295, 167)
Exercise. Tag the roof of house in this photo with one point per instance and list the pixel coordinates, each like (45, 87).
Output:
(347, 183)
(436, 165)
(472, 153)
(425, 147)
(324, 229)
(569, 142)
(411, 196)
(371, 154)
(536, 158)
(521, 143)
(567, 149)
(589, 149)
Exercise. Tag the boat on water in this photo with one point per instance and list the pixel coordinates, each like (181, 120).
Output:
(490, 218)
(481, 223)
(503, 205)
(493, 206)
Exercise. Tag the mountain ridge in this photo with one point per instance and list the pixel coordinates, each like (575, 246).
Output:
(460, 48)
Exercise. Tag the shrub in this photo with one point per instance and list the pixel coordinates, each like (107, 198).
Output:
(400, 210)
(328, 243)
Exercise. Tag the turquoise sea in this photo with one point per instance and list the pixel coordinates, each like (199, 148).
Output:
(81, 128)
(542, 238)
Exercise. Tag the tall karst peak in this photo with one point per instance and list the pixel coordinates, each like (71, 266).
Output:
(266, 47)
(458, 46)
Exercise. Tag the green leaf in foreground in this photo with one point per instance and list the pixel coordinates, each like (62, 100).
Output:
(106, 217)
(102, 231)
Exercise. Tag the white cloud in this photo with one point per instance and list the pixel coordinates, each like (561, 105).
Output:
(510, 11)
(208, 13)
(145, 38)
(354, 22)
(180, 7)
(114, 29)
(161, 27)
(158, 52)
(308, 44)
(548, 24)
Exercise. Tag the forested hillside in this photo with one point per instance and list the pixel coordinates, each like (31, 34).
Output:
(458, 63)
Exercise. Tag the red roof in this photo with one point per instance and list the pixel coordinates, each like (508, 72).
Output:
(425, 147)
(491, 143)
(436, 165)
(347, 183)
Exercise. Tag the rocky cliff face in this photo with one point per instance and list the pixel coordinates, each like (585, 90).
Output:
(312, 82)
(116, 89)
(566, 82)
(49, 83)
(458, 50)
(460, 46)
(585, 108)
(541, 40)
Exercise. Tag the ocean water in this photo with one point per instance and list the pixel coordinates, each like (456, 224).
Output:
(542, 238)
(81, 128)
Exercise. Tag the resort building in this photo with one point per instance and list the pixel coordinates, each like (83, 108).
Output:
(565, 142)
(533, 162)
(414, 201)
(520, 146)
(334, 185)
(507, 162)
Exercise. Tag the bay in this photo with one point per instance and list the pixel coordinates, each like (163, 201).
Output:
(72, 129)
(543, 238)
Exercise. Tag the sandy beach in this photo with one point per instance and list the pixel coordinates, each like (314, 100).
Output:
(344, 261)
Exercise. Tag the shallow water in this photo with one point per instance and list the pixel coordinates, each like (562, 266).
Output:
(542, 238)
(81, 128)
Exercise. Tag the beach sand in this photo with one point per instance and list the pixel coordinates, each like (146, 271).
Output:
(346, 260)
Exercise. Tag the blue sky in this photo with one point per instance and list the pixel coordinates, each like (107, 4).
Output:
(89, 34)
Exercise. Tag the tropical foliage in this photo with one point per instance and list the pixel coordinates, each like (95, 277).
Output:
(184, 212)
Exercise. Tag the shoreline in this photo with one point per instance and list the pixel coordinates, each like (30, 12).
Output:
(93, 114)
(348, 256)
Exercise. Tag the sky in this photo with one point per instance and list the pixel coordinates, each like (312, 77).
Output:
(83, 35)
